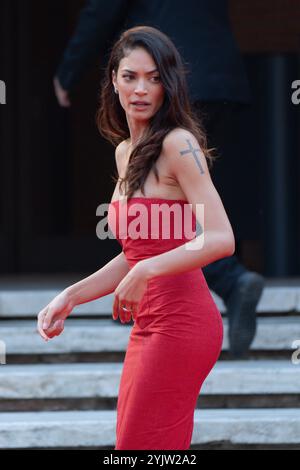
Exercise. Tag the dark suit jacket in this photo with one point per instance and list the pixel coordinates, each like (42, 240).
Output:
(200, 30)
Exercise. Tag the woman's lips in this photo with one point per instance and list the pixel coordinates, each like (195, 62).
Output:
(140, 105)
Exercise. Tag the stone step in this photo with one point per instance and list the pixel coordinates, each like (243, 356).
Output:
(81, 380)
(27, 299)
(75, 429)
(83, 335)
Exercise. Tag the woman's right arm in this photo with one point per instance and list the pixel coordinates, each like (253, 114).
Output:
(101, 283)
(104, 281)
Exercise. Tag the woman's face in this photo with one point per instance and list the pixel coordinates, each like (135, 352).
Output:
(138, 80)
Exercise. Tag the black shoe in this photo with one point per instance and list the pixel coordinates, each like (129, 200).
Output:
(241, 312)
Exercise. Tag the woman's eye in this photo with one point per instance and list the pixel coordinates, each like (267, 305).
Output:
(129, 77)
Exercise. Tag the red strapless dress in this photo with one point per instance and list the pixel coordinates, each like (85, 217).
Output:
(174, 342)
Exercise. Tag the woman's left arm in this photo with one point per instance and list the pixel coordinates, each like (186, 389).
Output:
(188, 165)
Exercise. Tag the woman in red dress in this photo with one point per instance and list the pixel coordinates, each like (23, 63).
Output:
(162, 160)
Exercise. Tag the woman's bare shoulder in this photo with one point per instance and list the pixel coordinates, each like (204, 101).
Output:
(120, 155)
(178, 140)
(121, 148)
(176, 135)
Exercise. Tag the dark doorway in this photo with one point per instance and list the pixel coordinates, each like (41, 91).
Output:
(55, 167)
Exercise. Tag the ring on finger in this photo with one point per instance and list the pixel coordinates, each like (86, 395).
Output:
(126, 309)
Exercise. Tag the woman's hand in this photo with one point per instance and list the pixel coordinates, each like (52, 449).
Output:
(129, 293)
(51, 318)
(62, 95)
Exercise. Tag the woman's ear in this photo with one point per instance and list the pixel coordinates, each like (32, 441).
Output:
(114, 77)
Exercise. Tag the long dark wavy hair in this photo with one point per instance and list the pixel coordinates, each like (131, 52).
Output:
(176, 110)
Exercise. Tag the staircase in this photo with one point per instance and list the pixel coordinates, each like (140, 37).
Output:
(63, 394)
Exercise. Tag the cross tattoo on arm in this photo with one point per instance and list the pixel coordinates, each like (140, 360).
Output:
(192, 150)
